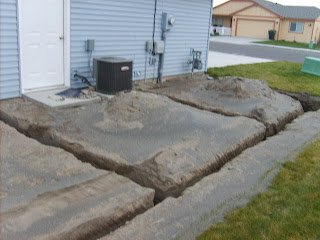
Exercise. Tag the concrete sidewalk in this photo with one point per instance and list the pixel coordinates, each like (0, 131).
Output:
(251, 41)
(289, 48)
(217, 59)
(235, 40)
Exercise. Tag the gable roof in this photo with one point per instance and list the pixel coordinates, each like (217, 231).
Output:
(296, 12)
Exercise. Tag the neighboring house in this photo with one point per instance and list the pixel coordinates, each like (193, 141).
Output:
(42, 42)
(254, 18)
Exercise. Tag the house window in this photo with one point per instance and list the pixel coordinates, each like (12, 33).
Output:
(218, 22)
(296, 27)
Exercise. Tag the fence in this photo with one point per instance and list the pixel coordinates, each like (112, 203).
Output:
(224, 31)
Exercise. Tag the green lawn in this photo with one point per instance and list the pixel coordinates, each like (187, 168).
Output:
(289, 209)
(289, 44)
(280, 75)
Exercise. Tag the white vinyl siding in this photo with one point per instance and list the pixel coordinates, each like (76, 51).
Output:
(9, 56)
(121, 29)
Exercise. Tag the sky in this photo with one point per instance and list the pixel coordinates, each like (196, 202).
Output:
(315, 3)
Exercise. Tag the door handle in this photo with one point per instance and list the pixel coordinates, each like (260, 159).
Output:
(61, 37)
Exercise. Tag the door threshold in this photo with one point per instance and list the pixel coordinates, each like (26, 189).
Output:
(32, 90)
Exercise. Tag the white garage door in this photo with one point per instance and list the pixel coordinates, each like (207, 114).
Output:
(254, 28)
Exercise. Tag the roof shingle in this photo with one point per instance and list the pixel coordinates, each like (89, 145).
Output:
(296, 12)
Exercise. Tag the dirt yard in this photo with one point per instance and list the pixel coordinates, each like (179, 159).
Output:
(192, 142)
(151, 139)
(232, 96)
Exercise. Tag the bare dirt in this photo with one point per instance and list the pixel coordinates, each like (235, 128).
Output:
(308, 102)
(123, 113)
(47, 193)
(29, 168)
(149, 138)
(208, 201)
(232, 96)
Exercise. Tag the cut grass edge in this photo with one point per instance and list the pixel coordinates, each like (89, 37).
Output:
(289, 209)
(289, 44)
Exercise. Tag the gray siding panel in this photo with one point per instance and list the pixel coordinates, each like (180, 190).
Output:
(121, 28)
(9, 54)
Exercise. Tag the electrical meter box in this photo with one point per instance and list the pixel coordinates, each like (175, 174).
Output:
(89, 45)
(149, 46)
(167, 21)
(159, 47)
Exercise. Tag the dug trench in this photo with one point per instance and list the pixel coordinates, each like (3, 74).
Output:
(47, 193)
(154, 141)
(231, 96)
(157, 142)
(309, 102)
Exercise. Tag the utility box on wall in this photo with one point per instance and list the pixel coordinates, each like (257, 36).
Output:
(159, 47)
(90, 45)
(113, 74)
(167, 21)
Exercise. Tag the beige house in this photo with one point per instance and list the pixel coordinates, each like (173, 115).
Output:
(254, 18)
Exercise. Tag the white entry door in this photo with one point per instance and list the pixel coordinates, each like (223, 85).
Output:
(41, 43)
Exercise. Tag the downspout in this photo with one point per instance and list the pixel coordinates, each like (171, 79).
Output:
(279, 28)
(314, 24)
(208, 44)
(161, 60)
(19, 48)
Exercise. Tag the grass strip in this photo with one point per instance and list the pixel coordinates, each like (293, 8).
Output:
(289, 209)
(279, 75)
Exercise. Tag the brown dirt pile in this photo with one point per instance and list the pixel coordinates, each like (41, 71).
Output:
(126, 111)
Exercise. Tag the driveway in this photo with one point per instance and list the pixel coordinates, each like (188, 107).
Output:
(218, 59)
(230, 45)
(235, 40)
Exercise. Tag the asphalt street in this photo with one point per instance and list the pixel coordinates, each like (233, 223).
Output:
(263, 52)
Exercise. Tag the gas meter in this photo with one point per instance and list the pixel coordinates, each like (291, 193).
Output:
(197, 62)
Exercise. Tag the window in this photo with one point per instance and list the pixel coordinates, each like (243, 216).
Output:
(296, 27)
(217, 22)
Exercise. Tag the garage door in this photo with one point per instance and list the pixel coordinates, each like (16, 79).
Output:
(254, 28)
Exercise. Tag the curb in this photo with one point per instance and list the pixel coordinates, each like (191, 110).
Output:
(267, 45)
(288, 48)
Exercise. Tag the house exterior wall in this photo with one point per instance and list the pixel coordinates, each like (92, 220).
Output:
(121, 29)
(231, 7)
(316, 31)
(304, 37)
(256, 11)
(9, 54)
(226, 20)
